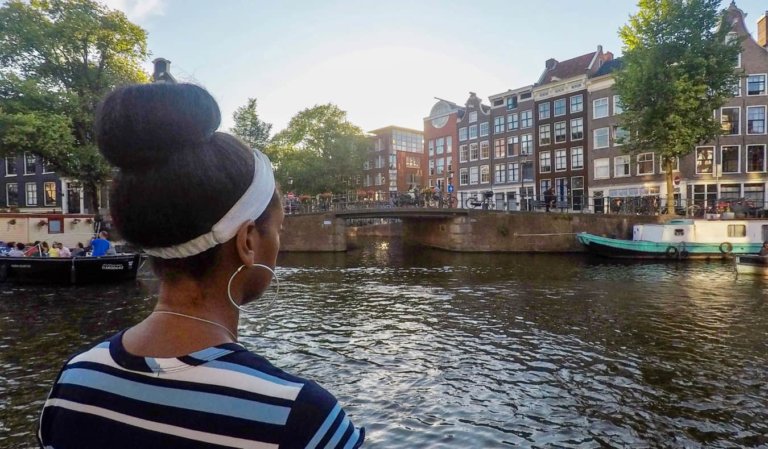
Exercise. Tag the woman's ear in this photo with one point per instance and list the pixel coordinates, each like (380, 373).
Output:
(246, 242)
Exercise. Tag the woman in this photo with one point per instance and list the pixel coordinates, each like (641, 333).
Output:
(179, 379)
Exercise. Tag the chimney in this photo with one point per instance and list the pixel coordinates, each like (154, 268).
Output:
(162, 72)
(608, 56)
(762, 30)
(550, 63)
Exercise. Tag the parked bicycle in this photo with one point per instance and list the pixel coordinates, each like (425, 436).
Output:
(484, 202)
(437, 198)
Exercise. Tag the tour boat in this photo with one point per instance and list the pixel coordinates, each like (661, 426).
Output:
(683, 239)
(752, 264)
(69, 270)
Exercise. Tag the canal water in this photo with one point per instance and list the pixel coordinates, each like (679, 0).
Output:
(434, 349)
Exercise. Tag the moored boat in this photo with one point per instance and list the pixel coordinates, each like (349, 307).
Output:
(683, 239)
(752, 264)
(75, 270)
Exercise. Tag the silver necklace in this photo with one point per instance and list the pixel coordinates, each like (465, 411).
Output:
(168, 312)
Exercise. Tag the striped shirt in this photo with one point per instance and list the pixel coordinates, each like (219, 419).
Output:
(220, 397)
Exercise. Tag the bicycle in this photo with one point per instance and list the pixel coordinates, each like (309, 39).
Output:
(438, 198)
(485, 203)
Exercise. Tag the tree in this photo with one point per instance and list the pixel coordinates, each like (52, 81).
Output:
(58, 58)
(678, 67)
(319, 151)
(248, 127)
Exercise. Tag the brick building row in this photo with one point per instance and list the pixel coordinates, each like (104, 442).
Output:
(561, 132)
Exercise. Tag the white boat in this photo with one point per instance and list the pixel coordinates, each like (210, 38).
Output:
(683, 239)
(752, 264)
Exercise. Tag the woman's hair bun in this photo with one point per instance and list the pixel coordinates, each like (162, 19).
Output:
(142, 125)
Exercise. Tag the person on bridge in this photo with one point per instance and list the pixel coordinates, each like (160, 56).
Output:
(206, 210)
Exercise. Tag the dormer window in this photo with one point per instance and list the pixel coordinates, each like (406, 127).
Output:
(473, 117)
(512, 102)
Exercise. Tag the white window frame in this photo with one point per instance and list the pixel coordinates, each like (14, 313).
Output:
(579, 120)
(474, 175)
(738, 160)
(554, 107)
(765, 84)
(463, 176)
(561, 160)
(544, 110)
(577, 151)
(545, 135)
(7, 191)
(485, 150)
(473, 117)
(580, 103)
(595, 107)
(25, 164)
(513, 121)
(564, 129)
(545, 161)
(485, 174)
(653, 163)
(473, 132)
(474, 148)
(526, 138)
(746, 164)
(484, 129)
(463, 134)
(12, 161)
(617, 109)
(626, 161)
(738, 129)
(27, 194)
(765, 120)
(499, 124)
(696, 160)
(463, 153)
(500, 173)
(607, 137)
(526, 119)
(607, 165)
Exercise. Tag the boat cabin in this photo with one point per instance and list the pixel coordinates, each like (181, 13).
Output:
(703, 231)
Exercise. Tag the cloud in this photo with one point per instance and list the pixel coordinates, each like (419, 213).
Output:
(138, 9)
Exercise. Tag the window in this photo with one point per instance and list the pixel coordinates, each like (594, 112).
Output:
(473, 153)
(601, 137)
(675, 164)
(736, 89)
(729, 157)
(10, 166)
(512, 122)
(431, 148)
(440, 146)
(499, 148)
(11, 194)
(729, 120)
(483, 129)
(511, 102)
(449, 163)
(559, 107)
(513, 146)
(600, 108)
(449, 144)
(755, 193)
(704, 157)
(617, 107)
(50, 193)
(30, 189)
(620, 135)
(545, 137)
(561, 160)
(47, 167)
(30, 161)
(440, 166)
(498, 125)
(500, 174)
(513, 172)
(485, 150)
(462, 134)
(737, 230)
(526, 145)
(485, 174)
(431, 168)
(545, 162)
(577, 158)
(526, 119)
(463, 177)
(755, 119)
(463, 153)
(543, 110)
(645, 164)
(756, 84)
(560, 132)
(474, 173)
(473, 117)
(621, 166)
(602, 168)
(526, 169)
(755, 158)
(498, 101)
(473, 132)
(577, 129)
(577, 103)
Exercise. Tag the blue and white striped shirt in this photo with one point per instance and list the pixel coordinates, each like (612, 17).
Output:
(220, 397)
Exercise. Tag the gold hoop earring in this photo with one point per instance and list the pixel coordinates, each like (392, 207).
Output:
(232, 278)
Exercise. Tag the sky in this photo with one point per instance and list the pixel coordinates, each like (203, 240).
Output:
(383, 62)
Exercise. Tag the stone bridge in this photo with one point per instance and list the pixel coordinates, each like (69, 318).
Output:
(462, 230)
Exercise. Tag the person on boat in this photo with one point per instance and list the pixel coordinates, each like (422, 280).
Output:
(43, 249)
(18, 251)
(34, 250)
(100, 245)
(63, 250)
(53, 251)
(764, 249)
(79, 250)
(180, 378)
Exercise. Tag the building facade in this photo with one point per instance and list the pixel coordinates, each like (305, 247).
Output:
(394, 161)
(561, 111)
(440, 138)
(474, 133)
(30, 185)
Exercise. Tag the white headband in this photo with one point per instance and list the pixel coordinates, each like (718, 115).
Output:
(250, 206)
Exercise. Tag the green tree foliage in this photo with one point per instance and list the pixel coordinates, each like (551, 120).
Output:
(249, 127)
(319, 151)
(678, 67)
(58, 58)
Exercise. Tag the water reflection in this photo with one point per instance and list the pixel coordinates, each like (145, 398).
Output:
(440, 349)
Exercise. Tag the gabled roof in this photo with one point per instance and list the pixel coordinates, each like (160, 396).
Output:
(609, 67)
(567, 69)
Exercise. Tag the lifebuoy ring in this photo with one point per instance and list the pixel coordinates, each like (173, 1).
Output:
(726, 247)
(684, 254)
(671, 252)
